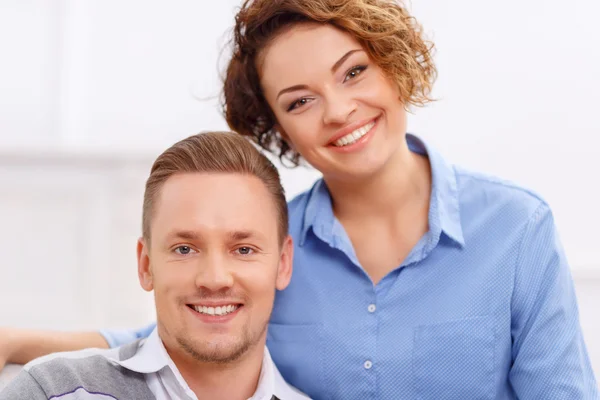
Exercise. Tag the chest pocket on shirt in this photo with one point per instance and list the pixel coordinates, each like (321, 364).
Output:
(298, 353)
(455, 359)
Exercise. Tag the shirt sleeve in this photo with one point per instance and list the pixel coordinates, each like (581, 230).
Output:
(550, 360)
(116, 338)
(23, 387)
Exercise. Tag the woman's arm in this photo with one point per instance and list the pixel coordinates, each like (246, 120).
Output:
(550, 359)
(19, 346)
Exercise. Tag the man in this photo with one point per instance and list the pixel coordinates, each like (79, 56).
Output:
(214, 250)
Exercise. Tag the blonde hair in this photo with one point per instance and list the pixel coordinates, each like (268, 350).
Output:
(214, 152)
(389, 34)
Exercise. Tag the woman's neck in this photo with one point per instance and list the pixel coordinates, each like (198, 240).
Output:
(403, 183)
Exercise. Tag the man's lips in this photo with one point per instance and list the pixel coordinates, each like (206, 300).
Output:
(215, 309)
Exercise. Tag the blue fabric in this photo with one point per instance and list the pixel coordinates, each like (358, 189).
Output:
(482, 308)
(116, 338)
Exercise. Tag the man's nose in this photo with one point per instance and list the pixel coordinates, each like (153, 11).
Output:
(213, 273)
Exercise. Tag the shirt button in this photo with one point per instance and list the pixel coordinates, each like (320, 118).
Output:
(372, 308)
(368, 364)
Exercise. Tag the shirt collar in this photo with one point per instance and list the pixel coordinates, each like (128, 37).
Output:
(444, 210)
(152, 357)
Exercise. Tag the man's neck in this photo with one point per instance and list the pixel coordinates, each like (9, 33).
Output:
(236, 380)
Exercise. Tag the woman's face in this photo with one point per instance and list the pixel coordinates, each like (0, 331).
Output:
(333, 104)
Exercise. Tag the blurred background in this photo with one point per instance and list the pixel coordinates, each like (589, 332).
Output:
(91, 91)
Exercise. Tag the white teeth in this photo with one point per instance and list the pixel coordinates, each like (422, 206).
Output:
(223, 310)
(354, 135)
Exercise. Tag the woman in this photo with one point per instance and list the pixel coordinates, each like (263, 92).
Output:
(413, 278)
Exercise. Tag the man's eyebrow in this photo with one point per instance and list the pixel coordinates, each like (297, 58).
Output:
(233, 236)
(184, 234)
(236, 236)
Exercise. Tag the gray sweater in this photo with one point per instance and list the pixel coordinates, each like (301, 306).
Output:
(93, 377)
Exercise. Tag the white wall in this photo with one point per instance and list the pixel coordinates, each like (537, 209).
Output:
(519, 90)
(67, 240)
(29, 70)
(92, 90)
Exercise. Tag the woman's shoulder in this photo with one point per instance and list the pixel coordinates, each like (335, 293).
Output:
(298, 205)
(480, 189)
(299, 202)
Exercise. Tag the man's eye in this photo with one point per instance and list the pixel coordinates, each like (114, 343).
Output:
(183, 250)
(244, 250)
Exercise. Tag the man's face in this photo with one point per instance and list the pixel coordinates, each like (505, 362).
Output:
(214, 261)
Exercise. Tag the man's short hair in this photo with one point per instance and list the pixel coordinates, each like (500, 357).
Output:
(214, 152)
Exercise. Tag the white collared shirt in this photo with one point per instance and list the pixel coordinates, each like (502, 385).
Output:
(166, 383)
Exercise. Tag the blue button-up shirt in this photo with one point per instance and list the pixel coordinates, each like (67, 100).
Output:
(483, 307)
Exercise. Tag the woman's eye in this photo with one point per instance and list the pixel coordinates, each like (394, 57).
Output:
(354, 72)
(299, 103)
(183, 250)
(244, 250)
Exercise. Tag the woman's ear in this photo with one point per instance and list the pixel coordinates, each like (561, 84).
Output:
(283, 135)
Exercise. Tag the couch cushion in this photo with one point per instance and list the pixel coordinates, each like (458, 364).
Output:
(8, 373)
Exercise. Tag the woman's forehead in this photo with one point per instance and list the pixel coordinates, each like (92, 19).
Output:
(305, 50)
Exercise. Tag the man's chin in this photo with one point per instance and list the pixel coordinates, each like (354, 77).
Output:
(219, 351)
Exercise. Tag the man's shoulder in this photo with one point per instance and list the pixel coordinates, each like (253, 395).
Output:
(91, 371)
(285, 391)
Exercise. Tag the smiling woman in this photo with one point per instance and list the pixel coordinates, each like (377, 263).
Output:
(383, 30)
(343, 82)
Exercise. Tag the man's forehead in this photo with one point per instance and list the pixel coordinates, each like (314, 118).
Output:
(205, 188)
(220, 201)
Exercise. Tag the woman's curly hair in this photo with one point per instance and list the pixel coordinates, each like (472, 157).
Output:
(389, 34)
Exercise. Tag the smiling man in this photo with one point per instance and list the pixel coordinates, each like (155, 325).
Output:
(215, 249)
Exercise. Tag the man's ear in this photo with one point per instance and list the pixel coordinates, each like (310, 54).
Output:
(144, 270)
(284, 272)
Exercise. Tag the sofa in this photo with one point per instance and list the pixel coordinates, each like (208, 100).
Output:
(8, 373)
